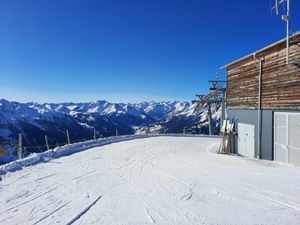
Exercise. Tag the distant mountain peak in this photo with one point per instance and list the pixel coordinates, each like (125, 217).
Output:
(35, 120)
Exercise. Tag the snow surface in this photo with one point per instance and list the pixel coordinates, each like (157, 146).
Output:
(157, 180)
(64, 150)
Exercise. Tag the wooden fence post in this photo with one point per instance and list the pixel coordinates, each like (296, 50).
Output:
(20, 147)
(46, 140)
(68, 137)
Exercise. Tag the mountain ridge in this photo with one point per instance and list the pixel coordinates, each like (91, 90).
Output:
(35, 120)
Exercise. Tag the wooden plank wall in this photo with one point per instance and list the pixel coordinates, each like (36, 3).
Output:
(280, 82)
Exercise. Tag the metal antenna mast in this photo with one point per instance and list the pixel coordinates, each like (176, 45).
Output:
(286, 18)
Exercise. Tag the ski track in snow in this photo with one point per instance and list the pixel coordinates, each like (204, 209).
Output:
(54, 211)
(84, 211)
(158, 180)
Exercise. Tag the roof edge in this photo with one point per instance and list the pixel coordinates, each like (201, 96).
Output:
(260, 50)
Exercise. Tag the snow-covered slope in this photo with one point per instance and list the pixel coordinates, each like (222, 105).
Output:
(35, 121)
(159, 180)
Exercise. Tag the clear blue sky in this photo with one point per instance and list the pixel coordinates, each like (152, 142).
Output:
(126, 50)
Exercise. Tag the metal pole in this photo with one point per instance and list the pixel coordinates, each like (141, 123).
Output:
(287, 30)
(259, 110)
(46, 140)
(117, 133)
(95, 134)
(222, 108)
(68, 137)
(260, 60)
(210, 124)
(20, 147)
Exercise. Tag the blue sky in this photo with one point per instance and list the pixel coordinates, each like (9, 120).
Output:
(127, 50)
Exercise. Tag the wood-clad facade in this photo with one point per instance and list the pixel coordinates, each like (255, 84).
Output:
(263, 96)
(280, 81)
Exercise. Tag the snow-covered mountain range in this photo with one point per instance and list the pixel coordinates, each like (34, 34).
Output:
(36, 120)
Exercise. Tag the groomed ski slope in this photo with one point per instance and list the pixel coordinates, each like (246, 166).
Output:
(157, 180)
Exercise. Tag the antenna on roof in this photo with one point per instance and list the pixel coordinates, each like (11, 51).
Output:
(286, 18)
(276, 7)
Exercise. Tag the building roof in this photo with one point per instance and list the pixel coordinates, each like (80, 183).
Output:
(282, 41)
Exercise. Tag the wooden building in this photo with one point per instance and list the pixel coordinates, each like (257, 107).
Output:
(263, 94)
